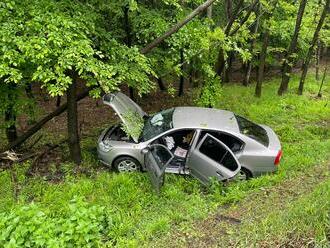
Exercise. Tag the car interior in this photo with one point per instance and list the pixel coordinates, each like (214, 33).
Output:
(179, 143)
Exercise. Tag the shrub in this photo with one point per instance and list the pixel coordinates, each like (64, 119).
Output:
(29, 226)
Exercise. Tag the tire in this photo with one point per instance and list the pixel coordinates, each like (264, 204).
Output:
(243, 175)
(126, 164)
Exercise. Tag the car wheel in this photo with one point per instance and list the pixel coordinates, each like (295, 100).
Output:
(243, 175)
(126, 164)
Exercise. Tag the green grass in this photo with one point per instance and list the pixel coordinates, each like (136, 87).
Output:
(138, 215)
(303, 221)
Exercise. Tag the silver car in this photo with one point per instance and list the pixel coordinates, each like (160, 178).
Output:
(205, 143)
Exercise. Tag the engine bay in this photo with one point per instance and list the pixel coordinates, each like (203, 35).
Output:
(117, 134)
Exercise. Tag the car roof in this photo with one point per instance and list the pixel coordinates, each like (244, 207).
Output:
(204, 118)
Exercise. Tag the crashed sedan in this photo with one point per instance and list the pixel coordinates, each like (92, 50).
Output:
(205, 143)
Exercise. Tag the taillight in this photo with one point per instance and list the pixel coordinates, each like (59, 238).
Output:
(278, 157)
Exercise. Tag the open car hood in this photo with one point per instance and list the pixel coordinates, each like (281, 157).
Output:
(122, 104)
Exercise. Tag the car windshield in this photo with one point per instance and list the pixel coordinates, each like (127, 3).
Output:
(157, 124)
(252, 130)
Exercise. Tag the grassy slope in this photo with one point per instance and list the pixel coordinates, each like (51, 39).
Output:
(299, 223)
(139, 216)
(292, 213)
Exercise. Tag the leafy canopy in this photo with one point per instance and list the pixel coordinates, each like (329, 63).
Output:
(47, 40)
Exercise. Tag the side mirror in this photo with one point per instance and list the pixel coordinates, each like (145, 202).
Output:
(145, 150)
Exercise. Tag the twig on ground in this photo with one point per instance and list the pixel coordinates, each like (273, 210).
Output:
(9, 155)
(319, 94)
(36, 141)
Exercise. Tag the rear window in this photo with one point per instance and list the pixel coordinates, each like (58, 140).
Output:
(252, 130)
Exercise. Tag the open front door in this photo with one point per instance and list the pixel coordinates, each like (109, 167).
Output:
(156, 160)
(212, 158)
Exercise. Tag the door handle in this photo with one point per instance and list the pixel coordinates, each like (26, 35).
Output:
(220, 174)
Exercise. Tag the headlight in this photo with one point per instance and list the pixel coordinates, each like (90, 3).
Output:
(105, 146)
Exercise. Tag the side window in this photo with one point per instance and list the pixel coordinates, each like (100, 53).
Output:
(178, 142)
(214, 150)
(229, 162)
(233, 143)
(161, 155)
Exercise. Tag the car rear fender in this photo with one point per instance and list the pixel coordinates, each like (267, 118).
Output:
(274, 142)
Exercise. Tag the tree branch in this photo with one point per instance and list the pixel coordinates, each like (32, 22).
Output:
(235, 14)
(245, 18)
(176, 27)
(36, 127)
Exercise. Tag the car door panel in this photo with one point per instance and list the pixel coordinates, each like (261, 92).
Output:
(220, 163)
(156, 160)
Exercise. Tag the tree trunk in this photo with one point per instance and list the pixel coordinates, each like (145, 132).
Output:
(11, 131)
(227, 71)
(28, 91)
(10, 116)
(323, 51)
(246, 80)
(209, 12)
(58, 101)
(319, 94)
(127, 27)
(36, 127)
(262, 61)
(220, 64)
(131, 93)
(229, 9)
(317, 60)
(161, 84)
(176, 27)
(231, 17)
(317, 51)
(311, 48)
(128, 40)
(72, 121)
(247, 75)
(289, 60)
(181, 75)
(193, 75)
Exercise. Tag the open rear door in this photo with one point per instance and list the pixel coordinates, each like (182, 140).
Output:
(156, 160)
(212, 158)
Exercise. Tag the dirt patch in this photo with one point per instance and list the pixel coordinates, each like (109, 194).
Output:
(292, 242)
(229, 219)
